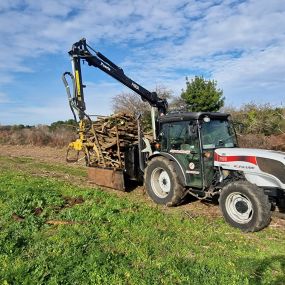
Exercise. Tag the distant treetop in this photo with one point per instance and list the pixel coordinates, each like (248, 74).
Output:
(202, 95)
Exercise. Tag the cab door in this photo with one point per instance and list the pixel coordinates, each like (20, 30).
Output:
(181, 141)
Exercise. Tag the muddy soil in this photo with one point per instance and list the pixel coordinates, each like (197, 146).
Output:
(45, 153)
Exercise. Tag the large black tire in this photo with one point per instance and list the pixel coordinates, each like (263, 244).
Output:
(245, 206)
(162, 182)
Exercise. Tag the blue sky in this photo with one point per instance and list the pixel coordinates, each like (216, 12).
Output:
(241, 44)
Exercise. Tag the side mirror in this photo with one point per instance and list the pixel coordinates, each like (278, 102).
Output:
(239, 127)
(193, 129)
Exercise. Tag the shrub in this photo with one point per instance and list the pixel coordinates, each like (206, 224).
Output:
(259, 119)
(37, 136)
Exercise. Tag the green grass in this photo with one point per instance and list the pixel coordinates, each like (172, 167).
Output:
(117, 240)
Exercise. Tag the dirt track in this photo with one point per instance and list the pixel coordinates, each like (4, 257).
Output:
(57, 156)
(44, 153)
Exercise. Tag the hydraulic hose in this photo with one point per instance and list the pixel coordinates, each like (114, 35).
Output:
(69, 96)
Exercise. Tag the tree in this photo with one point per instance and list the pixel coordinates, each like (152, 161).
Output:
(133, 104)
(129, 103)
(63, 124)
(177, 103)
(202, 95)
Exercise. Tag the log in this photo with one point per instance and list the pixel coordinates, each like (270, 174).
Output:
(111, 135)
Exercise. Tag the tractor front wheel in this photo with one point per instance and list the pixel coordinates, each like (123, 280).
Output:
(245, 206)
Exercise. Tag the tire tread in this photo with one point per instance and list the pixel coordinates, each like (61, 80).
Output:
(178, 189)
(262, 203)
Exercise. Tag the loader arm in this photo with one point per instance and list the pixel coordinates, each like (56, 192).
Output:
(82, 51)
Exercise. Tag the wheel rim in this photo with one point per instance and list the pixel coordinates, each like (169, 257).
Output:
(160, 182)
(239, 208)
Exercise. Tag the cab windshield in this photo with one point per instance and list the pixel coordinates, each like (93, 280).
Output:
(218, 133)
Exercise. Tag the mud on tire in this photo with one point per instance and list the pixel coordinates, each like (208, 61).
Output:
(162, 182)
(245, 206)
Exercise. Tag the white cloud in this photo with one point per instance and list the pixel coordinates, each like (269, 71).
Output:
(32, 115)
(240, 46)
(4, 98)
(98, 99)
(239, 43)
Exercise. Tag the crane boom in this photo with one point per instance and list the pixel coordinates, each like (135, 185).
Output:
(82, 51)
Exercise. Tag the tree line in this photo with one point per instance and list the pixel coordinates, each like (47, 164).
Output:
(201, 95)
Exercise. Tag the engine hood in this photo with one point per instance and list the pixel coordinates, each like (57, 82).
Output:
(249, 154)
(264, 168)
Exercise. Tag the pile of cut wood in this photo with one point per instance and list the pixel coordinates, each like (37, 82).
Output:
(110, 136)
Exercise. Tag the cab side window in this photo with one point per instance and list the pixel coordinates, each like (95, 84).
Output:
(178, 134)
(163, 137)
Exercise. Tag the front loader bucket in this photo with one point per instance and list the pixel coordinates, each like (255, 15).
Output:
(112, 178)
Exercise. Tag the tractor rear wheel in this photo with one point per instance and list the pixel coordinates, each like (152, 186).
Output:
(245, 206)
(162, 183)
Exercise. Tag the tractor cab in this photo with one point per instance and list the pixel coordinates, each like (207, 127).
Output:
(191, 138)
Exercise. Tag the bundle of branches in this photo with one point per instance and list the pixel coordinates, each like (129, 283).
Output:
(110, 136)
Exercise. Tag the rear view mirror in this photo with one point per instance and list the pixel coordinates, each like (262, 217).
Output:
(192, 129)
(239, 127)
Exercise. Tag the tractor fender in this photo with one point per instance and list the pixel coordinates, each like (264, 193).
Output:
(263, 179)
(176, 164)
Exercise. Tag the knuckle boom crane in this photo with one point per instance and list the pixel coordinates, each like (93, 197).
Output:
(194, 153)
(81, 51)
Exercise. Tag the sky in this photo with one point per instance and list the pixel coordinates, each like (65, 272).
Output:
(240, 44)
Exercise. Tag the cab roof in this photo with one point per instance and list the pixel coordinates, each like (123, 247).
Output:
(187, 116)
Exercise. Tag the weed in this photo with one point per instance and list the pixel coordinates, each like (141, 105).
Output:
(115, 240)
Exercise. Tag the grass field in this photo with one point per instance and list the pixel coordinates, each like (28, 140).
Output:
(57, 230)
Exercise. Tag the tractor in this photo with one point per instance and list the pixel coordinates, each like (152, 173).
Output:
(193, 153)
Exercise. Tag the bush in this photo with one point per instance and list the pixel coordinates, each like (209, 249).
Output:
(259, 119)
(37, 136)
(69, 124)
